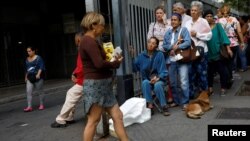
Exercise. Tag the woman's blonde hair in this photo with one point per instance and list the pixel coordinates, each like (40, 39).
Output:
(160, 7)
(92, 18)
(225, 8)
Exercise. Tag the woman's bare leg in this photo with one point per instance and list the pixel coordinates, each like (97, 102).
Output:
(94, 117)
(117, 118)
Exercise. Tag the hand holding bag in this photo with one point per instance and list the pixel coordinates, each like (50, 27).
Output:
(195, 52)
(224, 55)
(223, 52)
(31, 74)
(188, 54)
(32, 77)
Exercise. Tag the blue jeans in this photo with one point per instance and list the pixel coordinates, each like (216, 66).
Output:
(178, 73)
(243, 59)
(158, 89)
(198, 75)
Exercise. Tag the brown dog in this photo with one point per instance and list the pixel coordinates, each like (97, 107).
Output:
(197, 107)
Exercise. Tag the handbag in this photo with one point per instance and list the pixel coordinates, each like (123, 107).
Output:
(182, 55)
(31, 75)
(195, 54)
(188, 54)
(185, 55)
(223, 52)
(224, 55)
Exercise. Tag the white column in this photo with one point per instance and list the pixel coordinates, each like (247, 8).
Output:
(91, 5)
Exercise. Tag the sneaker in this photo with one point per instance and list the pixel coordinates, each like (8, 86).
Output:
(58, 125)
(28, 109)
(41, 107)
(165, 111)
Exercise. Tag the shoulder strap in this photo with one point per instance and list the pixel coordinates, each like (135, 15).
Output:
(153, 30)
(179, 33)
(179, 36)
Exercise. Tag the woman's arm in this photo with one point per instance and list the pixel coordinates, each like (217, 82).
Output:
(162, 69)
(167, 40)
(150, 31)
(40, 65)
(204, 34)
(93, 51)
(186, 39)
(238, 28)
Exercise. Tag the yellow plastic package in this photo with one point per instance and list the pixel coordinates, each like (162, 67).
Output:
(109, 49)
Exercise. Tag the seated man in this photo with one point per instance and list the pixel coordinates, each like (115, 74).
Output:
(151, 65)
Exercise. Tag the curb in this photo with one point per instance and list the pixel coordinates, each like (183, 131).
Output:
(48, 91)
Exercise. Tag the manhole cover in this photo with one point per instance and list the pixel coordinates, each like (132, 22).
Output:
(244, 90)
(234, 113)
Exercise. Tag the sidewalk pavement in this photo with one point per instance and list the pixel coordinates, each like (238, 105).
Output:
(14, 93)
(177, 126)
(232, 109)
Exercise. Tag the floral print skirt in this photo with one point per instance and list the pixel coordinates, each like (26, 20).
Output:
(99, 91)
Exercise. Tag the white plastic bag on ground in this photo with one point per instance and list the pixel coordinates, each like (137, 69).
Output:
(134, 111)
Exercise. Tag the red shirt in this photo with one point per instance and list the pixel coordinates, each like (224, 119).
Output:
(78, 72)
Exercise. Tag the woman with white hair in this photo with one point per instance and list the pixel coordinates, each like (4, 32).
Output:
(200, 32)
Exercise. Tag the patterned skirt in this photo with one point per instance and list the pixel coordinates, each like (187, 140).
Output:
(98, 91)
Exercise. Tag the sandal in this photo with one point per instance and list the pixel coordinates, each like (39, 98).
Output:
(170, 102)
(173, 105)
(210, 91)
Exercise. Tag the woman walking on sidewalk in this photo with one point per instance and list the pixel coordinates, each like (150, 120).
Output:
(97, 85)
(34, 77)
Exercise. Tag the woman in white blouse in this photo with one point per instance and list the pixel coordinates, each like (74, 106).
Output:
(200, 32)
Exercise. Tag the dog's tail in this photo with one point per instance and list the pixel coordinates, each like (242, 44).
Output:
(193, 116)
